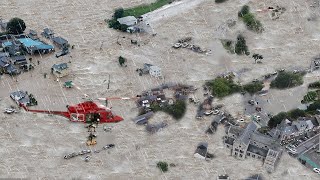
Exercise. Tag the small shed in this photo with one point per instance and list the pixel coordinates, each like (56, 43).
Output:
(60, 42)
(60, 70)
(128, 20)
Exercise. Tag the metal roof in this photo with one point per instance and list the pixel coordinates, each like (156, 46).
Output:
(59, 40)
(128, 20)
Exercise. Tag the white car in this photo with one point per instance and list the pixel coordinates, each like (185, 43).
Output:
(9, 110)
(316, 170)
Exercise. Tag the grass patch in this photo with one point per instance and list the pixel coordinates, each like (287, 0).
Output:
(287, 80)
(145, 8)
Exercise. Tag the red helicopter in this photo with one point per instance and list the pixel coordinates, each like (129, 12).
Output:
(85, 112)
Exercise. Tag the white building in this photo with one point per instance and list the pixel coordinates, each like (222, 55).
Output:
(155, 71)
(128, 20)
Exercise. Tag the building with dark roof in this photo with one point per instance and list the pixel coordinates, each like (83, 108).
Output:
(248, 142)
(60, 42)
(60, 70)
(19, 60)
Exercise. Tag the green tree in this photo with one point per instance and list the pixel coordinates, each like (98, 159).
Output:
(296, 113)
(118, 13)
(277, 119)
(241, 46)
(222, 87)
(163, 166)
(252, 23)
(244, 10)
(314, 106)
(310, 96)
(122, 60)
(16, 26)
(287, 80)
(253, 87)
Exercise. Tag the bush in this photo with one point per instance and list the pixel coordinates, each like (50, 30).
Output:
(163, 166)
(177, 110)
(253, 87)
(296, 113)
(113, 23)
(244, 10)
(241, 46)
(118, 13)
(310, 96)
(252, 23)
(314, 85)
(220, 1)
(122, 60)
(313, 107)
(222, 87)
(16, 26)
(277, 119)
(3, 33)
(287, 80)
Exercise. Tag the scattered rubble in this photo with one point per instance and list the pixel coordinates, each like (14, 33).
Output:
(183, 43)
(202, 152)
(276, 12)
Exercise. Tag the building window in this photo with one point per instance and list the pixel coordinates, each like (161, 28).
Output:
(240, 155)
(253, 155)
(248, 154)
(236, 149)
(241, 151)
(235, 153)
(259, 157)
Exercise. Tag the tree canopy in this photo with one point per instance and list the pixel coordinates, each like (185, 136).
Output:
(241, 46)
(16, 26)
(287, 80)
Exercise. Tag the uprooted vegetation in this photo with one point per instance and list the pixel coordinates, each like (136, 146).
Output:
(228, 45)
(145, 8)
(249, 19)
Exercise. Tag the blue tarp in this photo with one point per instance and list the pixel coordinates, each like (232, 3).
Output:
(29, 43)
(5, 44)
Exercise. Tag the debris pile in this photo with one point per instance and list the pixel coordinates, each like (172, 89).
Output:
(202, 152)
(184, 43)
(155, 99)
(74, 154)
(276, 12)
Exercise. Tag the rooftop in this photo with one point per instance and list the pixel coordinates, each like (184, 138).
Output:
(128, 20)
(245, 136)
(59, 40)
(60, 67)
(28, 42)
